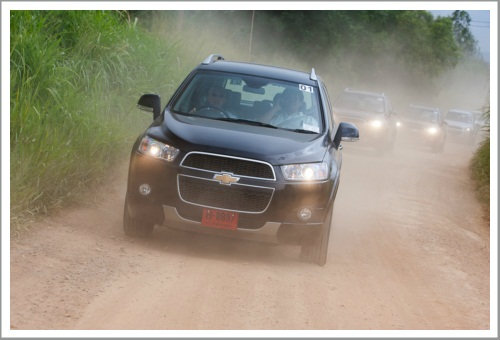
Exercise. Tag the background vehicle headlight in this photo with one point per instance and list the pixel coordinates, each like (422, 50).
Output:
(305, 172)
(376, 123)
(156, 149)
(432, 130)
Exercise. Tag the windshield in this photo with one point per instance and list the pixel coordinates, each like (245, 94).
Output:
(464, 117)
(251, 100)
(360, 102)
(423, 114)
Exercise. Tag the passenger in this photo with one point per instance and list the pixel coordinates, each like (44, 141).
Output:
(288, 112)
(286, 106)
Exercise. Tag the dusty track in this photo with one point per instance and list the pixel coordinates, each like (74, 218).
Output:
(409, 250)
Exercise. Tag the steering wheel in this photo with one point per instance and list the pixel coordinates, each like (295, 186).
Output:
(214, 112)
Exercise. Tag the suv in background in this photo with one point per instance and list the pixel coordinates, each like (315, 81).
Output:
(460, 125)
(372, 113)
(227, 156)
(424, 126)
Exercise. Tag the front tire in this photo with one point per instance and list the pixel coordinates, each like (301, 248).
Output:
(315, 249)
(134, 227)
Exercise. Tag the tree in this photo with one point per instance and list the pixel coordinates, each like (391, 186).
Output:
(463, 36)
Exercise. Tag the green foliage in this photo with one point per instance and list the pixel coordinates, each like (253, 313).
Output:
(480, 167)
(351, 47)
(75, 78)
(480, 164)
(411, 41)
(463, 36)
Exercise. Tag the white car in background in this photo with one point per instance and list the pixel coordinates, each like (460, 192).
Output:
(460, 125)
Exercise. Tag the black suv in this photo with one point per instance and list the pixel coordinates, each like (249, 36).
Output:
(241, 150)
(373, 114)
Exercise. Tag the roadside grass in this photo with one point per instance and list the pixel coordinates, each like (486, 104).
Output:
(75, 80)
(480, 168)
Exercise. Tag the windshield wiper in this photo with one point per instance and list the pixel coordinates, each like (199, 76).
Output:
(301, 131)
(246, 121)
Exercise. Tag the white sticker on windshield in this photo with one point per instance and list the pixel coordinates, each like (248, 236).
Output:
(306, 88)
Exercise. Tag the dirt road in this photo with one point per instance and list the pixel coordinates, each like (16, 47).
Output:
(409, 250)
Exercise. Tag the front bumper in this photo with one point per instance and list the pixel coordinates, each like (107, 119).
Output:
(274, 221)
(269, 232)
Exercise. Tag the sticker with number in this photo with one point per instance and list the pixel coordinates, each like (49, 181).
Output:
(306, 88)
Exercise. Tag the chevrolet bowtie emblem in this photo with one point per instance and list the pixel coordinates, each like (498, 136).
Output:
(226, 178)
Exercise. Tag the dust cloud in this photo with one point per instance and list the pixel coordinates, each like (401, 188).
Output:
(231, 34)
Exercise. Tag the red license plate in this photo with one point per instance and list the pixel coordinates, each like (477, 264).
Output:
(219, 219)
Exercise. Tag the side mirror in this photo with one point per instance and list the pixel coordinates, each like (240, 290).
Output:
(150, 103)
(346, 132)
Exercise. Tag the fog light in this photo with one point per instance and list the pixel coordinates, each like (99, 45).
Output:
(144, 189)
(304, 214)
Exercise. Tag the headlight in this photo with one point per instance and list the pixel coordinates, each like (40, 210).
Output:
(398, 124)
(305, 172)
(432, 130)
(156, 149)
(376, 123)
(467, 129)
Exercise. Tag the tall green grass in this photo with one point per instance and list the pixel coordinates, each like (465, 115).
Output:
(480, 166)
(75, 80)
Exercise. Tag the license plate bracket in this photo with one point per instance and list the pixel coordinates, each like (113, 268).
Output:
(220, 219)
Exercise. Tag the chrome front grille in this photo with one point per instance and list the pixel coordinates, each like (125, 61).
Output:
(211, 194)
(237, 166)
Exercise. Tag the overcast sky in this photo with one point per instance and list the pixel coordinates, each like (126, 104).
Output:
(480, 28)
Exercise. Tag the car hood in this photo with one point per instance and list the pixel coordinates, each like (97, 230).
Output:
(271, 145)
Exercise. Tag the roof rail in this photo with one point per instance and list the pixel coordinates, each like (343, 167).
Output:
(212, 59)
(313, 75)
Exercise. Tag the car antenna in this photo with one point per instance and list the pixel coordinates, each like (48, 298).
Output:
(212, 59)
(313, 75)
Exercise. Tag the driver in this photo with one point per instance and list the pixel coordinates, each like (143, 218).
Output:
(216, 98)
